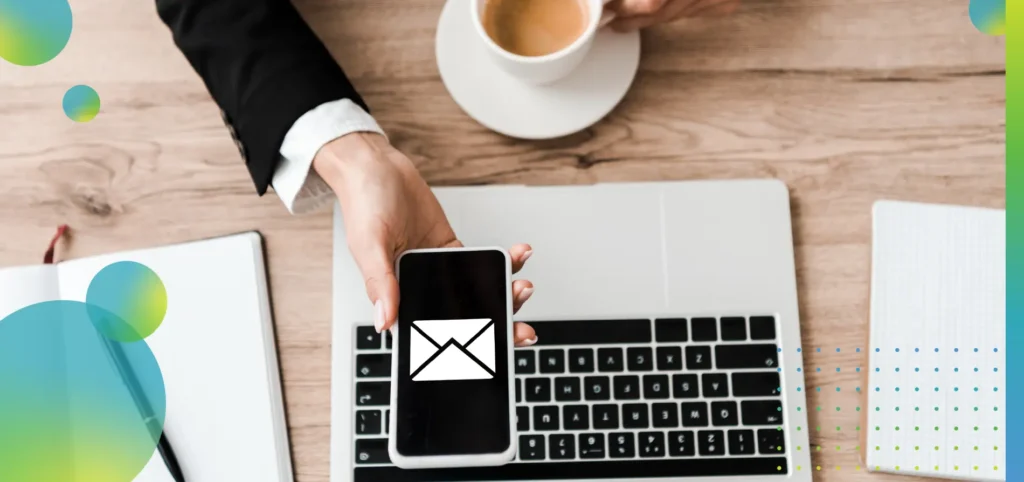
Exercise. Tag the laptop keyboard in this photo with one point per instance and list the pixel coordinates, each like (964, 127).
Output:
(685, 396)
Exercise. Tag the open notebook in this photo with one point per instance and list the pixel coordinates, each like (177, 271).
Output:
(216, 350)
(937, 380)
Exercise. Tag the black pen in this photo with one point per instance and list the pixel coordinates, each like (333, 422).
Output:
(169, 459)
(145, 408)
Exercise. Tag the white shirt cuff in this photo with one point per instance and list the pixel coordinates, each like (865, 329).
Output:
(300, 188)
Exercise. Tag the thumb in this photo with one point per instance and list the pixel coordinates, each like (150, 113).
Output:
(381, 286)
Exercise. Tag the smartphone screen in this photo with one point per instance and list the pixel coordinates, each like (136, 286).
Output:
(453, 348)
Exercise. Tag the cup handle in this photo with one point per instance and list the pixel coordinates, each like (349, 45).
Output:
(606, 15)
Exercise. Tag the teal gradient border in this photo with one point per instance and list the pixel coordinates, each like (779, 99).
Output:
(1014, 242)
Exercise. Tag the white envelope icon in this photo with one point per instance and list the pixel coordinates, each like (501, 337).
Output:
(451, 349)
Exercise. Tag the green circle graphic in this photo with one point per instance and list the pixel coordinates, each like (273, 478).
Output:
(67, 413)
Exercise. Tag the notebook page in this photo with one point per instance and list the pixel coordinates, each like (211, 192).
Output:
(155, 471)
(22, 286)
(936, 383)
(215, 347)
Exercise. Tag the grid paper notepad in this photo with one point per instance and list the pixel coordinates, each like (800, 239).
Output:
(936, 381)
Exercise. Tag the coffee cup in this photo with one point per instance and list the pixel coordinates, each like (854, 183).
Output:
(544, 56)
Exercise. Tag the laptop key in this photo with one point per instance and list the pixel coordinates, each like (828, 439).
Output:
(715, 385)
(592, 332)
(771, 441)
(592, 446)
(734, 328)
(387, 339)
(762, 327)
(538, 389)
(597, 388)
(685, 386)
(606, 416)
(576, 417)
(747, 356)
(567, 389)
(627, 387)
(694, 414)
(704, 329)
(368, 422)
(639, 359)
(372, 451)
(634, 415)
(711, 442)
(367, 338)
(761, 412)
(724, 414)
(545, 418)
(519, 390)
(563, 446)
(741, 442)
(665, 415)
(387, 421)
(581, 360)
(620, 445)
(656, 386)
(756, 384)
(552, 361)
(670, 358)
(652, 444)
(523, 419)
(526, 362)
(373, 393)
(680, 444)
(672, 329)
(376, 365)
(698, 357)
(531, 447)
(609, 359)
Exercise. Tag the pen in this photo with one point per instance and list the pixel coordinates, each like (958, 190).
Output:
(169, 459)
(145, 408)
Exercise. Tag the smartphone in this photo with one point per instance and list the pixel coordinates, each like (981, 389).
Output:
(452, 397)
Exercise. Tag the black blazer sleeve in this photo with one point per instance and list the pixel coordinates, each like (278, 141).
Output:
(263, 66)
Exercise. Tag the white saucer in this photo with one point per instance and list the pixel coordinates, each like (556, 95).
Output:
(506, 105)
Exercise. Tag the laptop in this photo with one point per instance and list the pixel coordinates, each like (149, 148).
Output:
(668, 337)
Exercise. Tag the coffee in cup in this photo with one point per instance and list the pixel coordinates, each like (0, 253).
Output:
(538, 41)
(535, 28)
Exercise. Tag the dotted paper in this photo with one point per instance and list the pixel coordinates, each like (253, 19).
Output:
(936, 379)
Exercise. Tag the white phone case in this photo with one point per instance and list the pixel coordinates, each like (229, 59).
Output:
(445, 461)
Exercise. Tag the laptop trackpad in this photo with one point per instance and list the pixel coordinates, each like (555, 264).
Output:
(597, 250)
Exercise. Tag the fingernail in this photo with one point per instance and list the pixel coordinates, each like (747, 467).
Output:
(530, 342)
(378, 315)
(525, 294)
(527, 255)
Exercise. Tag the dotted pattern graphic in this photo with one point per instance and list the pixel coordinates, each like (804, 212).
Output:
(835, 428)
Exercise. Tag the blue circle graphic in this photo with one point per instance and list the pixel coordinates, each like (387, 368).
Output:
(67, 412)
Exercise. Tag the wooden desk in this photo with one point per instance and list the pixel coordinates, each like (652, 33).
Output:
(847, 101)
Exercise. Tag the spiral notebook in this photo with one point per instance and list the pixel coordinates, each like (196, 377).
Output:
(216, 349)
(936, 403)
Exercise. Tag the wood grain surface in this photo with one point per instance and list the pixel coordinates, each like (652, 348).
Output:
(847, 101)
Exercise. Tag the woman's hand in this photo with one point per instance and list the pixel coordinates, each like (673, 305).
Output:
(388, 208)
(637, 14)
